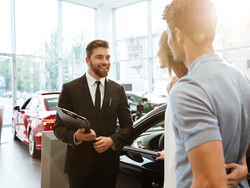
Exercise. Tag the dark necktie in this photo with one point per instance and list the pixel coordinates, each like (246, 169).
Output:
(97, 98)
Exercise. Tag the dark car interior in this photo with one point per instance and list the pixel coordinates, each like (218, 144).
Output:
(151, 139)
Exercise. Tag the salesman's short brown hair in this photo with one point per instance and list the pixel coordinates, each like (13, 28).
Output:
(95, 44)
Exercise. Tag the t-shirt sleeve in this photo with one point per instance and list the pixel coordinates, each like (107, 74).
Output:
(192, 114)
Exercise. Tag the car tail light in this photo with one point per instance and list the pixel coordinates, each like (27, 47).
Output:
(154, 107)
(48, 123)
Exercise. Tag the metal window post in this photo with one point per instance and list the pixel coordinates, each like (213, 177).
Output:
(60, 62)
(150, 48)
(114, 48)
(13, 51)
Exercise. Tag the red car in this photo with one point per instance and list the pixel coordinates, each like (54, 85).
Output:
(36, 115)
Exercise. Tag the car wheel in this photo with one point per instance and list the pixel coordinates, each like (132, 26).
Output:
(14, 131)
(34, 153)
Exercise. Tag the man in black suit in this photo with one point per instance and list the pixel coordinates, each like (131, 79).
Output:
(92, 159)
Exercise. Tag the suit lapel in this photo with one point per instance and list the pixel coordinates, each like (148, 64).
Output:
(107, 94)
(83, 85)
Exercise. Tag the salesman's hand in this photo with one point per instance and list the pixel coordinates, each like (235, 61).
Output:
(80, 135)
(238, 173)
(102, 143)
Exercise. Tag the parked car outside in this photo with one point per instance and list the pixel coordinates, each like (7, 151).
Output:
(2, 93)
(7, 94)
(149, 104)
(37, 114)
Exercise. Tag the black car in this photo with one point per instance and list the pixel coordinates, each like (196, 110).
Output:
(138, 167)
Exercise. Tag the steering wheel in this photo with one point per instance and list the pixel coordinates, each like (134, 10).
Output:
(161, 143)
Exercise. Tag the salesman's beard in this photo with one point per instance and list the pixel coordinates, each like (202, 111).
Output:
(98, 72)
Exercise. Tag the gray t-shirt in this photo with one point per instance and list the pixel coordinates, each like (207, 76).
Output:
(212, 102)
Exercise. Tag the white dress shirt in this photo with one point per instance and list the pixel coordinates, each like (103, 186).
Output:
(92, 87)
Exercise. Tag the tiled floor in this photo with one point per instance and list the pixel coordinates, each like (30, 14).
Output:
(17, 168)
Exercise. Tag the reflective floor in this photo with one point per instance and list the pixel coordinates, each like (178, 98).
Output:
(17, 168)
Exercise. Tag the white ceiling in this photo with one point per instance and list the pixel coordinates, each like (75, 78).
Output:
(98, 3)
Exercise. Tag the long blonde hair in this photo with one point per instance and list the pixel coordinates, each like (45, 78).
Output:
(179, 69)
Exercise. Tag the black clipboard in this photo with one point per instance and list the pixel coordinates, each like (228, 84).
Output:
(73, 120)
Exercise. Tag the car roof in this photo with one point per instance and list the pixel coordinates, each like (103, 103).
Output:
(49, 95)
(46, 95)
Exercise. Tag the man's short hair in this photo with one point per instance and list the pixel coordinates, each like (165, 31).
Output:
(197, 18)
(95, 44)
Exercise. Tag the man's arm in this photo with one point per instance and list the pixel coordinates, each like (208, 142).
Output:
(125, 120)
(60, 130)
(208, 165)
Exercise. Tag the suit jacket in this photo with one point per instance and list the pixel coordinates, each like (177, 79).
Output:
(75, 96)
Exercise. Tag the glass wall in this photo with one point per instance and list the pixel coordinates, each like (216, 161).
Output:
(78, 26)
(132, 46)
(6, 88)
(37, 47)
(232, 40)
(160, 76)
(5, 31)
(36, 23)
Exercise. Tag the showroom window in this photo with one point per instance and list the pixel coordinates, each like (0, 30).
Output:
(36, 22)
(77, 33)
(160, 76)
(6, 88)
(5, 31)
(233, 33)
(132, 49)
(36, 48)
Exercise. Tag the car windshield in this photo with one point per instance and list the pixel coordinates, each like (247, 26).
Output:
(51, 103)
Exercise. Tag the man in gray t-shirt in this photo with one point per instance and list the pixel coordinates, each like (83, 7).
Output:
(210, 105)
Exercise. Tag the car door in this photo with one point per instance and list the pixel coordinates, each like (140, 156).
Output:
(138, 165)
(30, 112)
(139, 168)
(20, 119)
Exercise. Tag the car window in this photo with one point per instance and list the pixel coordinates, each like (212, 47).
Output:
(34, 104)
(51, 103)
(157, 127)
(26, 104)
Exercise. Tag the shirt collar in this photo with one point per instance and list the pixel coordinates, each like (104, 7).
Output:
(92, 80)
(202, 59)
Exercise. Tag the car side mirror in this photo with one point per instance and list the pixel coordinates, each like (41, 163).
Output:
(17, 108)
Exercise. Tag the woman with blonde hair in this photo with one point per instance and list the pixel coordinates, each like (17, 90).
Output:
(166, 61)
(238, 172)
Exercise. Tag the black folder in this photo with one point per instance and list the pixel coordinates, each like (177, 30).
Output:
(73, 120)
